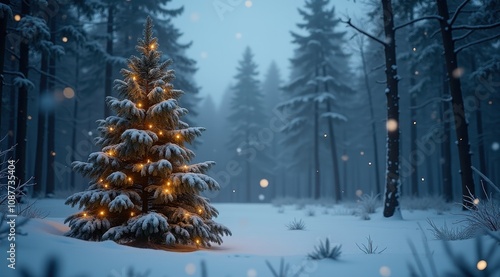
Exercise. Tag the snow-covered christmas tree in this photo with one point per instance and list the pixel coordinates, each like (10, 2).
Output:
(142, 188)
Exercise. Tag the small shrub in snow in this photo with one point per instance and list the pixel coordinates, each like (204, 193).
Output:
(448, 233)
(296, 225)
(465, 263)
(324, 251)
(425, 203)
(300, 206)
(311, 212)
(369, 248)
(369, 203)
(284, 270)
(282, 201)
(364, 216)
(483, 214)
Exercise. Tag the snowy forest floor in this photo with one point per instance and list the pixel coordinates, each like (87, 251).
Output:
(259, 235)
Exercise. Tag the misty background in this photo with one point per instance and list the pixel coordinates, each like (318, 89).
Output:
(76, 55)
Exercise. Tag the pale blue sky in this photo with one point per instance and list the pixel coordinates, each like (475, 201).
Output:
(221, 29)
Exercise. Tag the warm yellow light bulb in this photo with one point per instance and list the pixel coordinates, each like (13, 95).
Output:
(168, 183)
(197, 241)
(101, 213)
(17, 17)
(111, 128)
(178, 136)
(106, 185)
(84, 214)
(100, 180)
(134, 78)
(186, 167)
(166, 190)
(132, 214)
(152, 46)
(150, 126)
(64, 39)
(110, 153)
(200, 211)
(129, 179)
(139, 105)
(141, 165)
(161, 133)
(149, 160)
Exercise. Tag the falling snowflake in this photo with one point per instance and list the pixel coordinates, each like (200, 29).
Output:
(495, 146)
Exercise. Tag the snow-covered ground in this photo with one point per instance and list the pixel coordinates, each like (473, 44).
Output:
(259, 234)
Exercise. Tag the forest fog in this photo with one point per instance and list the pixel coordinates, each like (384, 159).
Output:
(293, 96)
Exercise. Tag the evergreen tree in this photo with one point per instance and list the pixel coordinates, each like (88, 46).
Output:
(320, 62)
(271, 88)
(247, 120)
(142, 187)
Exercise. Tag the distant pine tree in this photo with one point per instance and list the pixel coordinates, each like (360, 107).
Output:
(247, 117)
(320, 72)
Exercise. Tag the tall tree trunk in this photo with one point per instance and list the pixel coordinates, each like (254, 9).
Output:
(3, 36)
(445, 144)
(109, 50)
(413, 137)
(316, 173)
(248, 184)
(461, 125)
(22, 105)
(480, 139)
(392, 186)
(75, 119)
(51, 129)
(41, 123)
(333, 145)
(373, 125)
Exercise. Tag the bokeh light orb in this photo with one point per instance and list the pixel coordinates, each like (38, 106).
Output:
(391, 125)
(264, 183)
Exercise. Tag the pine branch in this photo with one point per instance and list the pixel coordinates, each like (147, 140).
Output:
(485, 178)
(476, 42)
(432, 100)
(348, 22)
(13, 53)
(477, 27)
(51, 76)
(463, 36)
(417, 20)
(457, 12)
(17, 73)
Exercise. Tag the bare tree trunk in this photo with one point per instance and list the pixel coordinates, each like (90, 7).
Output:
(109, 67)
(413, 137)
(317, 174)
(51, 129)
(391, 201)
(480, 139)
(461, 125)
(41, 123)
(445, 144)
(75, 119)
(373, 125)
(3, 37)
(333, 145)
(22, 105)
